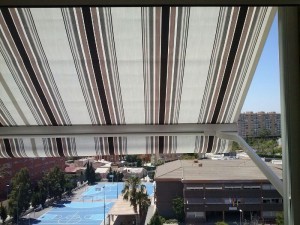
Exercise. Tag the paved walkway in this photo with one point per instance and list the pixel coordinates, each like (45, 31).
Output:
(75, 197)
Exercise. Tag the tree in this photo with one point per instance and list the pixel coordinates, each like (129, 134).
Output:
(221, 223)
(136, 193)
(71, 182)
(279, 218)
(139, 162)
(35, 199)
(143, 201)
(178, 208)
(90, 174)
(156, 219)
(131, 158)
(55, 181)
(263, 133)
(3, 213)
(235, 146)
(189, 156)
(117, 176)
(40, 193)
(20, 195)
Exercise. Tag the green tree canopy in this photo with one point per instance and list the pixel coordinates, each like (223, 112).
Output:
(90, 174)
(117, 176)
(20, 195)
(279, 218)
(3, 213)
(156, 219)
(55, 182)
(178, 208)
(221, 223)
(131, 158)
(40, 193)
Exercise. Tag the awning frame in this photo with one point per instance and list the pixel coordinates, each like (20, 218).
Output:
(116, 130)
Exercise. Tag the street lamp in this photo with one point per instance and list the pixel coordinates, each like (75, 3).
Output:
(104, 204)
(241, 213)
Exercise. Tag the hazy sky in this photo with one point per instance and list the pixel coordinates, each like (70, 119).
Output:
(264, 93)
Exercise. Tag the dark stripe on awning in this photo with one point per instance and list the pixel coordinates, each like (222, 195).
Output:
(26, 61)
(161, 144)
(163, 69)
(8, 148)
(111, 145)
(164, 61)
(210, 143)
(60, 148)
(95, 61)
(230, 60)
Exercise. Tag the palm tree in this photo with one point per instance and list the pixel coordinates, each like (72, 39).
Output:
(136, 193)
(143, 201)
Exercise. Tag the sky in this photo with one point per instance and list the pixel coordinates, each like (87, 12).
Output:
(264, 93)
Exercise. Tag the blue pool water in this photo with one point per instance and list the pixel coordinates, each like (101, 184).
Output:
(112, 190)
(90, 208)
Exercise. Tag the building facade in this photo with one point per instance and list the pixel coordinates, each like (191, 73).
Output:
(36, 167)
(259, 124)
(217, 190)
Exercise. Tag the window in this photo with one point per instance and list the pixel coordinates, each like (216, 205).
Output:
(233, 187)
(269, 214)
(268, 187)
(214, 188)
(194, 188)
(272, 200)
(195, 215)
(251, 187)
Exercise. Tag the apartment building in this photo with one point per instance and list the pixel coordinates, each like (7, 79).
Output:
(35, 166)
(257, 124)
(217, 190)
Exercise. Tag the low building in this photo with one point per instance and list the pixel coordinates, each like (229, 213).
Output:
(82, 162)
(217, 190)
(75, 170)
(102, 172)
(138, 172)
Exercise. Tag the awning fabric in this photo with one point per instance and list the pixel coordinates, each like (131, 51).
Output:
(125, 65)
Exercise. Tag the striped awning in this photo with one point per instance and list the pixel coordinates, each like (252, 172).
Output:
(125, 65)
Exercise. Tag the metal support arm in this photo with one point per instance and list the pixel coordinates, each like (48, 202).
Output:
(267, 171)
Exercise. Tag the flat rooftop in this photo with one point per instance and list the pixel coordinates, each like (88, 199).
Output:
(213, 170)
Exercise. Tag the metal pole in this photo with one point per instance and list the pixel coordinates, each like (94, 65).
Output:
(104, 203)
(241, 211)
(117, 190)
(268, 172)
(117, 186)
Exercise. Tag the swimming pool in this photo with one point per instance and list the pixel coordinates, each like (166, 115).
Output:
(110, 190)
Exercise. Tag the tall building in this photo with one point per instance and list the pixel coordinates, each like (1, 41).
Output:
(257, 124)
(35, 166)
(217, 190)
